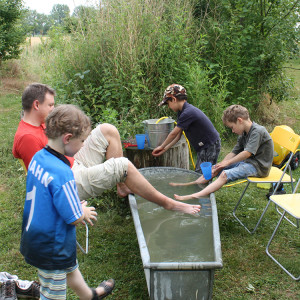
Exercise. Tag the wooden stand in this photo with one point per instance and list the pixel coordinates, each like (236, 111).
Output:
(177, 156)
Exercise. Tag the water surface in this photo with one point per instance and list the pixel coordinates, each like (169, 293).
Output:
(173, 236)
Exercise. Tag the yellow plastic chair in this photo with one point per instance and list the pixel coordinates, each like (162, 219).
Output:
(290, 203)
(84, 250)
(288, 140)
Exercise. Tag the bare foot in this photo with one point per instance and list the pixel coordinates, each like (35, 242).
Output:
(105, 288)
(187, 208)
(123, 190)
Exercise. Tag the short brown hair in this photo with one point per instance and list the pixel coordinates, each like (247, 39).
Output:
(35, 91)
(67, 118)
(233, 112)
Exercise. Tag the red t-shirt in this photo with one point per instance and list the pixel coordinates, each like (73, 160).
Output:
(28, 140)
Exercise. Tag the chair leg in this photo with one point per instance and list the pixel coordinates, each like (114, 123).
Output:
(236, 206)
(263, 213)
(291, 222)
(277, 209)
(272, 257)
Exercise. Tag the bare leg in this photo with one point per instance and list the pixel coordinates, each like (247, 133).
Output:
(139, 185)
(214, 186)
(76, 282)
(112, 136)
(114, 149)
(200, 180)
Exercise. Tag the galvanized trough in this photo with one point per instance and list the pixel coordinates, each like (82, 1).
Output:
(180, 252)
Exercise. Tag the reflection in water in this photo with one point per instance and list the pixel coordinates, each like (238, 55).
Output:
(173, 236)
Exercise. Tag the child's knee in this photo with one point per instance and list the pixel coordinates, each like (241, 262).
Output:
(223, 176)
(108, 130)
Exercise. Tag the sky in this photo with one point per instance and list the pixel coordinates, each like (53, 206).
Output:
(45, 6)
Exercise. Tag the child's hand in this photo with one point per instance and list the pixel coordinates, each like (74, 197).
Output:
(158, 151)
(89, 213)
(217, 168)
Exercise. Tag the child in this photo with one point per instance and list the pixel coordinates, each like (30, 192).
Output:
(99, 165)
(199, 130)
(52, 209)
(251, 156)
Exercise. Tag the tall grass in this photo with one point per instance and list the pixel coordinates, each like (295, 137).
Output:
(126, 55)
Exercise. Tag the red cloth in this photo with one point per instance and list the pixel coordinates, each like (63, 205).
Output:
(28, 140)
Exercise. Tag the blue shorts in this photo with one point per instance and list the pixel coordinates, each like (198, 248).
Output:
(240, 170)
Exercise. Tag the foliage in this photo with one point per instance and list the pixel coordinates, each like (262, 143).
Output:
(119, 58)
(248, 42)
(81, 17)
(37, 23)
(59, 12)
(132, 50)
(12, 33)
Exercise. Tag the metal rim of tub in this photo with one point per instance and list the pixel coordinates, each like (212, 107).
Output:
(218, 263)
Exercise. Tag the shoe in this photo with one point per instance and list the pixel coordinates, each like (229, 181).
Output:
(107, 289)
(8, 290)
(32, 291)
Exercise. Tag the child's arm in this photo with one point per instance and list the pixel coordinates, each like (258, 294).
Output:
(89, 213)
(230, 159)
(173, 137)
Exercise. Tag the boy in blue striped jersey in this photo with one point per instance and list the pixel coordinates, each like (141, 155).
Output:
(52, 209)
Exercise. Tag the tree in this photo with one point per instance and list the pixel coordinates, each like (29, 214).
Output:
(12, 33)
(37, 23)
(82, 16)
(59, 12)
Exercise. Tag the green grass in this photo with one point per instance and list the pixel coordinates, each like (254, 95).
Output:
(247, 273)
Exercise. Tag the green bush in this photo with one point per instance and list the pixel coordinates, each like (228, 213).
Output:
(117, 65)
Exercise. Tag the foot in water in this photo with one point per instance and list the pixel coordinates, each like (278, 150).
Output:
(187, 208)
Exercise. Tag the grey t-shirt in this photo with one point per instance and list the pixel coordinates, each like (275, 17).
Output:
(258, 142)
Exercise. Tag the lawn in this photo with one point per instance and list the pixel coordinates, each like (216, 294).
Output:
(247, 273)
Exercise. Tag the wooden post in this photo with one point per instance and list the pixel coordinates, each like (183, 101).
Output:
(177, 156)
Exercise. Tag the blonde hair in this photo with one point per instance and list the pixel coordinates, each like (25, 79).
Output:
(67, 118)
(233, 112)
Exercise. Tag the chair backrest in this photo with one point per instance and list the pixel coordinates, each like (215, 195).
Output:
(285, 138)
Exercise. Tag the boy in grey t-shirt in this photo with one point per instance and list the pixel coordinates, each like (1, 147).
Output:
(251, 156)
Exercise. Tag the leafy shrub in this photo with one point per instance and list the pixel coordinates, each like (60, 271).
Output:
(117, 65)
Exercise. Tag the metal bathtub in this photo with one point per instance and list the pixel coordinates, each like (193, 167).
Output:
(173, 264)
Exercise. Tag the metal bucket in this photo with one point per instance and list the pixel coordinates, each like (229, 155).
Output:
(157, 133)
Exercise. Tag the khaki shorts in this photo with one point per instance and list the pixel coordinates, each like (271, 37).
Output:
(93, 174)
